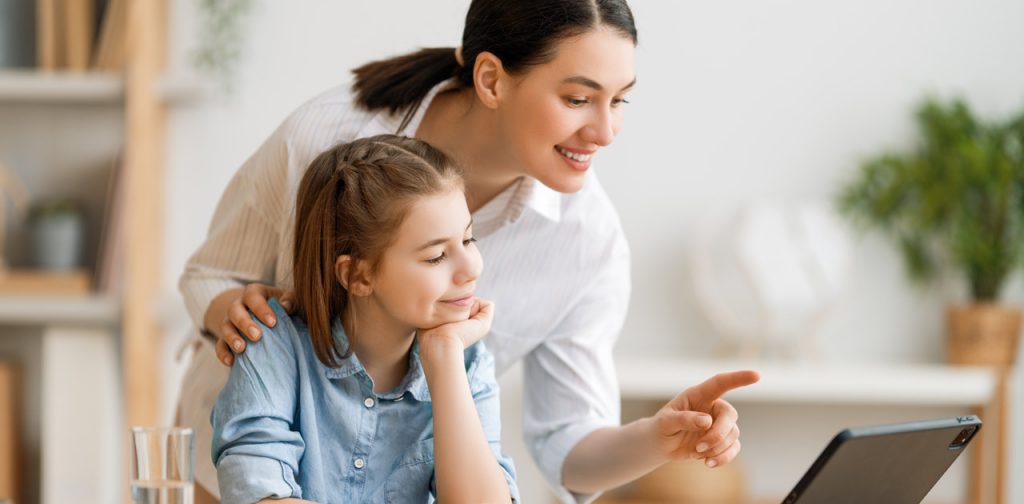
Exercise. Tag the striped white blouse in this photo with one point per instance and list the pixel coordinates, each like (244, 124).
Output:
(555, 265)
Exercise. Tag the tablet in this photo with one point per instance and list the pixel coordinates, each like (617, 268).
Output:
(888, 464)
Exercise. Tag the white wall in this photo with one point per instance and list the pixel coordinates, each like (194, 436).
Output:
(737, 100)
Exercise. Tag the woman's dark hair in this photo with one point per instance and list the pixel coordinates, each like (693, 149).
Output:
(351, 201)
(521, 33)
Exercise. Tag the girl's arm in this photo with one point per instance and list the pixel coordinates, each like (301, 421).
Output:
(465, 467)
(255, 446)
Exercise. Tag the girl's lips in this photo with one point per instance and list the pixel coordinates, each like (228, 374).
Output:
(466, 300)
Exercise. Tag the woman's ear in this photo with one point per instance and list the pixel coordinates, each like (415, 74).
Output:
(353, 275)
(489, 77)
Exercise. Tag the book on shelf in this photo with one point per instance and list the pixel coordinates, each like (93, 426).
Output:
(10, 435)
(81, 35)
(110, 259)
(109, 54)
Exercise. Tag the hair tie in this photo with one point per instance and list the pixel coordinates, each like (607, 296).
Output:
(458, 56)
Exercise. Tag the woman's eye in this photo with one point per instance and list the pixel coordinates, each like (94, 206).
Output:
(619, 101)
(577, 102)
(466, 242)
(438, 259)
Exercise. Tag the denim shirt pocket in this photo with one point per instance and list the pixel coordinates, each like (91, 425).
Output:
(412, 477)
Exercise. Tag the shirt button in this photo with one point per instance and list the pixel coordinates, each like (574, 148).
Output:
(368, 402)
(359, 463)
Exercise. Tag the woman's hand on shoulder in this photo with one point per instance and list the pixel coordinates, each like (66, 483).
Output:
(461, 334)
(228, 316)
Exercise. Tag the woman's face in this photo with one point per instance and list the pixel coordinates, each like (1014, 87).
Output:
(427, 276)
(557, 115)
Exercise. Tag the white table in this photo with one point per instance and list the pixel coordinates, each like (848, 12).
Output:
(979, 388)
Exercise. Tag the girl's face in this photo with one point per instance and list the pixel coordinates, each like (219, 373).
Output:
(559, 114)
(428, 275)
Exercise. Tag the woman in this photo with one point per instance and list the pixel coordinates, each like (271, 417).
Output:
(524, 105)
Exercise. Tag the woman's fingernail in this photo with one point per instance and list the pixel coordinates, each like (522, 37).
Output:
(253, 333)
(226, 361)
(701, 447)
(711, 463)
(271, 321)
(237, 346)
(704, 422)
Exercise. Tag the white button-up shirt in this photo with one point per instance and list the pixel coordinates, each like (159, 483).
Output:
(555, 265)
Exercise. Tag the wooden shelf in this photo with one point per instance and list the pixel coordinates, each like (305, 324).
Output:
(656, 377)
(30, 86)
(99, 88)
(49, 310)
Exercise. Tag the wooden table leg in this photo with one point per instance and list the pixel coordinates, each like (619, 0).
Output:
(977, 447)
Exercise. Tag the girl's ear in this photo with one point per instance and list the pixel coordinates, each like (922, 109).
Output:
(353, 275)
(489, 79)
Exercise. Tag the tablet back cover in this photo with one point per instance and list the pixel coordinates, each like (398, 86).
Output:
(892, 464)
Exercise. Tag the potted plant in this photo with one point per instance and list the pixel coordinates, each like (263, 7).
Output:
(57, 227)
(958, 199)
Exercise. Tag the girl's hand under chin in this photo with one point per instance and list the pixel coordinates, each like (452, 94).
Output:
(461, 334)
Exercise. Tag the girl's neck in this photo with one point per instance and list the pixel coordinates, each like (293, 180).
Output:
(468, 132)
(382, 344)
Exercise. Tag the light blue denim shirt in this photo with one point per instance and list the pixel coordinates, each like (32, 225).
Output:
(286, 425)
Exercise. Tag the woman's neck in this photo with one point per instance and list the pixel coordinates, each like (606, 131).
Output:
(381, 343)
(468, 132)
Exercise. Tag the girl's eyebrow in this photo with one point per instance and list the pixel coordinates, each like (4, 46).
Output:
(591, 83)
(439, 241)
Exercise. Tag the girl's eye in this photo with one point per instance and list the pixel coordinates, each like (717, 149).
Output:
(438, 259)
(465, 243)
(619, 101)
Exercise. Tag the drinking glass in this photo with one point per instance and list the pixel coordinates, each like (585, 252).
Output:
(162, 465)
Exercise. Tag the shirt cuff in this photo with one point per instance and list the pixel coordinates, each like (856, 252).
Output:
(199, 293)
(556, 450)
(246, 479)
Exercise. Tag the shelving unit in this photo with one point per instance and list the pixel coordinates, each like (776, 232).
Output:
(93, 359)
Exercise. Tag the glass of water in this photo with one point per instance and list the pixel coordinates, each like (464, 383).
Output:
(162, 465)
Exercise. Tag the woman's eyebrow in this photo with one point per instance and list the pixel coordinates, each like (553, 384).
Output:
(591, 83)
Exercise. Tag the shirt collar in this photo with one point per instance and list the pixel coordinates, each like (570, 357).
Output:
(414, 381)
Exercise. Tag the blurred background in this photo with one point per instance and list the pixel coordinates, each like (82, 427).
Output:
(780, 167)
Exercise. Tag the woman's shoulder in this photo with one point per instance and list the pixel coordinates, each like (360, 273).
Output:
(331, 116)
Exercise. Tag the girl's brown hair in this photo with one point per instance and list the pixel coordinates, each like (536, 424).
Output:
(351, 201)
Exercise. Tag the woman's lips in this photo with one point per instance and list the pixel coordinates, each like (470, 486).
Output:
(576, 159)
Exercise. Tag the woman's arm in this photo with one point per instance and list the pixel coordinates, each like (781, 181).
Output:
(697, 424)
(465, 467)
(241, 248)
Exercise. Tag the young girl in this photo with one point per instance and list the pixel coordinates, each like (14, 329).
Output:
(525, 105)
(367, 393)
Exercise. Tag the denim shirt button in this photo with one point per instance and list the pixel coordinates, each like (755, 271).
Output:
(359, 463)
(369, 402)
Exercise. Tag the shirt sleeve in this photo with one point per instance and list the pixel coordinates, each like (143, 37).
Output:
(254, 446)
(570, 386)
(484, 387)
(245, 234)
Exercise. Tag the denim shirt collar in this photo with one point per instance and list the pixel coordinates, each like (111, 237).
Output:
(414, 381)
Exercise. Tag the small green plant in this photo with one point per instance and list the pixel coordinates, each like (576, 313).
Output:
(958, 199)
(221, 37)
